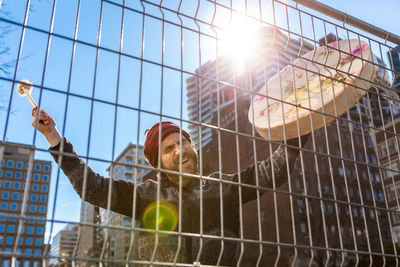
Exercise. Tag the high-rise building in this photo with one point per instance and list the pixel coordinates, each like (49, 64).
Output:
(14, 173)
(63, 246)
(119, 241)
(381, 103)
(388, 143)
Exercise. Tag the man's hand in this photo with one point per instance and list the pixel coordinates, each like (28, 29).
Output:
(49, 129)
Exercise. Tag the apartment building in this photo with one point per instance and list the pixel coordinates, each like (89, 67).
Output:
(15, 174)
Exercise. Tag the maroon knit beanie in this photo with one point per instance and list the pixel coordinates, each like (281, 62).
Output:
(151, 143)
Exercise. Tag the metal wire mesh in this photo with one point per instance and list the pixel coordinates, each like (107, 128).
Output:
(108, 70)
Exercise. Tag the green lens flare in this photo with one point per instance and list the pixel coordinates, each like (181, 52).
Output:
(167, 217)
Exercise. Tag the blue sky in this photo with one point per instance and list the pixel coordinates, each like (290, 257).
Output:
(104, 144)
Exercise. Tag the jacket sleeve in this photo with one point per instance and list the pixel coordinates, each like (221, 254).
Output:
(275, 167)
(97, 187)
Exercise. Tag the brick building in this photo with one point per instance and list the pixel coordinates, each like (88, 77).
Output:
(15, 174)
(388, 142)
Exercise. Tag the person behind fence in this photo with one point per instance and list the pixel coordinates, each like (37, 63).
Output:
(218, 243)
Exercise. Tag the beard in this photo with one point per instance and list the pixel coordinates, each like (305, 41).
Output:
(189, 166)
(189, 163)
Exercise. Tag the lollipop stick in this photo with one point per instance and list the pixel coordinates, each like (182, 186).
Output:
(29, 98)
(33, 103)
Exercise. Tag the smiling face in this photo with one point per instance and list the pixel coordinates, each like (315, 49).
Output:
(170, 157)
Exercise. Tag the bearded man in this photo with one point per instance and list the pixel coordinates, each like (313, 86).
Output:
(209, 206)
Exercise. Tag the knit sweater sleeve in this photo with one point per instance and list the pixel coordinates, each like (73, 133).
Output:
(275, 168)
(97, 186)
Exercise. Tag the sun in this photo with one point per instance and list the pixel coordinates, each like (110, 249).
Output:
(240, 41)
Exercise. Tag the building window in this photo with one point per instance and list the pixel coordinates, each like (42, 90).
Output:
(44, 188)
(330, 208)
(380, 195)
(303, 227)
(10, 229)
(37, 167)
(42, 209)
(46, 168)
(9, 174)
(39, 230)
(28, 251)
(14, 206)
(30, 230)
(28, 241)
(9, 240)
(35, 187)
(2, 163)
(15, 196)
(372, 159)
(34, 198)
(19, 165)
(10, 163)
(391, 145)
(16, 185)
(45, 178)
(1, 173)
(43, 199)
(4, 206)
(382, 150)
(32, 208)
(1, 228)
(327, 188)
(38, 241)
(36, 177)
(300, 205)
(355, 211)
(7, 184)
(5, 195)
(18, 175)
(393, 169)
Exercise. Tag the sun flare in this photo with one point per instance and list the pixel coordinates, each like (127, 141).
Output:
(239, 41)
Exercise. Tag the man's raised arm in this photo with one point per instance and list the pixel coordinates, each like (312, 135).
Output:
(97, 187)
(276, 168)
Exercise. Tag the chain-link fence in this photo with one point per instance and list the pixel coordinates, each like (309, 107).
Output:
(284, 149)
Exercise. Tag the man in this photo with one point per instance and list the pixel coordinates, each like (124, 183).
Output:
(209, 206)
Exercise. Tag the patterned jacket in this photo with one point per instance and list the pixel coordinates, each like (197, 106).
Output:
(217, 196)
